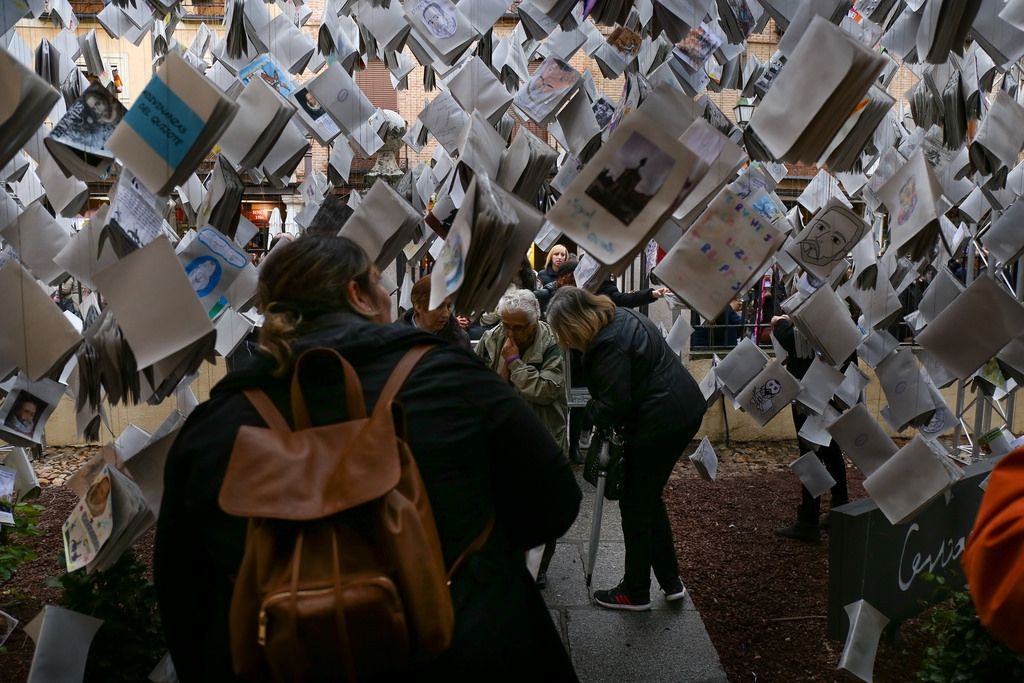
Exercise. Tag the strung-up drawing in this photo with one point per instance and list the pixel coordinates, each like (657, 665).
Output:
(272, 74)
(625, 41)
(438, 19)
(7, 499)
(763, 396)
(768, 393)
(908, 201)
(90, 524)
(551, 84)
(633, 175)
(24, 414)
(697, 46)
(826, 240)
(603, 111)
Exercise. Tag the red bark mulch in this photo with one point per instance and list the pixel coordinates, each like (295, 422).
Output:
(763, 598)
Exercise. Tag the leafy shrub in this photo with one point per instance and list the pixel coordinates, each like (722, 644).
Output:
(130, 642)
(964, 649)
(12, 551)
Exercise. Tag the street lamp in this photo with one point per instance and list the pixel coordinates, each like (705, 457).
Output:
(744, 109)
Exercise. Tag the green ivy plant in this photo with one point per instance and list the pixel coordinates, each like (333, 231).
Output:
(130, 642)
(964, 650)
(13, 552)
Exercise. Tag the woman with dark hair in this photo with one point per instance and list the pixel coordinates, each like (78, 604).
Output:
(464, 427)
(639, 387)
(439, 321)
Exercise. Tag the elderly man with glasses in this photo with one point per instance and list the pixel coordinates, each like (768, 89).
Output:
(523, 350)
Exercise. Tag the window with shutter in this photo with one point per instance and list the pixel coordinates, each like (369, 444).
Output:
(375, 82)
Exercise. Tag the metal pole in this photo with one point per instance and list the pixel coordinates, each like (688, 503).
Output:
(595, 522)
(979, 416)
(725, 419)
(958, 431)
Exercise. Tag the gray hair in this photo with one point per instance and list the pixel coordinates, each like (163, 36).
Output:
(520, 300)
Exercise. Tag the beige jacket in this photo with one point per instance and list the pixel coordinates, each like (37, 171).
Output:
(538, 376)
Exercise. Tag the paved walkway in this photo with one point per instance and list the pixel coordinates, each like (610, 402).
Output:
(668, 643)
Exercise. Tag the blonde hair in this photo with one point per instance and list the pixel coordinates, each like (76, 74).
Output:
(576, 316)
(557, 247)
(301, 280)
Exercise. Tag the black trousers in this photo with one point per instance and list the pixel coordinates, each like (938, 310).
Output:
(579, 422)
(832, 457)
(645, 526)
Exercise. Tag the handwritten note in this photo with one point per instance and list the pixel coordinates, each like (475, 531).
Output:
(729, 244)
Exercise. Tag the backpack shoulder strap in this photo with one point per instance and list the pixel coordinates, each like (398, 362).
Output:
(267, 410)
(401, 372)
(474, 547)
(387, 395)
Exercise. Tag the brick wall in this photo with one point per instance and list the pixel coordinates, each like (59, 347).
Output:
(413, 99)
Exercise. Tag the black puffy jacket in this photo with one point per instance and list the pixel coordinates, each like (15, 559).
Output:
(637, 382)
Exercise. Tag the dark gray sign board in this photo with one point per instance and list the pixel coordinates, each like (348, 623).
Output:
(871, 559)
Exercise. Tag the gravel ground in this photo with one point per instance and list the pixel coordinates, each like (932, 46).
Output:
(762, 598)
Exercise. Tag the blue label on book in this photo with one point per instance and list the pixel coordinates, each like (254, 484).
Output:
(165, 122)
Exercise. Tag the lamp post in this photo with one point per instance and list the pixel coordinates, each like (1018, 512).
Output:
(744, 109)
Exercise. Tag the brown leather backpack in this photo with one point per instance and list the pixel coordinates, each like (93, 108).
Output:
(343, 575)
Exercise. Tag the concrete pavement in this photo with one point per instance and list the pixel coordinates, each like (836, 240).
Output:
(667, 643)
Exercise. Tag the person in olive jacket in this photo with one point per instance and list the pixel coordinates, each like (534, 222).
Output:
(639, 387)
(479, 448)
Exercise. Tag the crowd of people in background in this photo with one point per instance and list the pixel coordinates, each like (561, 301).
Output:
(490, 427)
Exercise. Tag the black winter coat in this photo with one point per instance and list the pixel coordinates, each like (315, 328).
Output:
(636, 382)
(546, 275)
(622, 299)
(481, 453)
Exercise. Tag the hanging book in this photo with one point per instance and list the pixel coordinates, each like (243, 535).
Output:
(629, 188)
(78, 142)
(22, 111)
(172, 126)
(827, 239)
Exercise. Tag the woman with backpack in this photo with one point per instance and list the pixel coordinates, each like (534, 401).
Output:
(638, 387)
(463, 425)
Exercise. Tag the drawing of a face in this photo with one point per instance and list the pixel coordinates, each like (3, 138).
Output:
(96, 496)
(204, 274)
(438, 21)
(23, 417)
(824, 245)
(763, 396)
(552, 76)
(97, 106)
(908, 201)
(624, 40)
(311, 104)
(603, 111)
(27, 413)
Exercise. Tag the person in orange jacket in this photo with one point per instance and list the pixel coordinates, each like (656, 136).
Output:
(994, 558)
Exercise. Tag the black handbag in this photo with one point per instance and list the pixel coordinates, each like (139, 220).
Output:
(605, 456)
